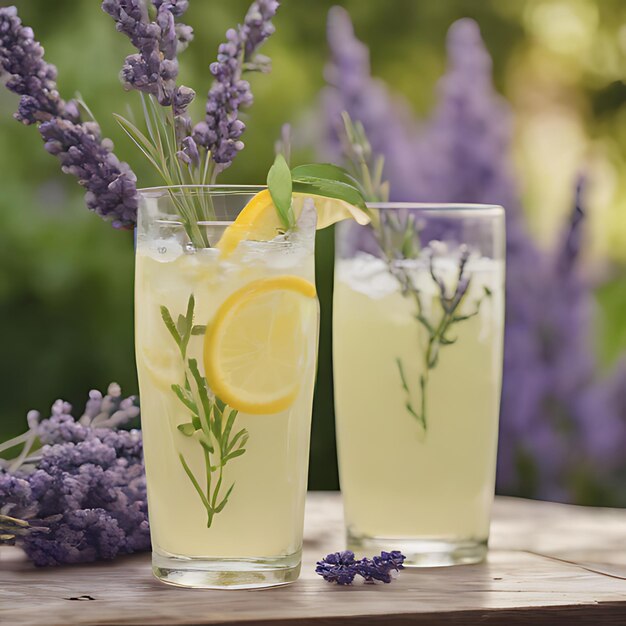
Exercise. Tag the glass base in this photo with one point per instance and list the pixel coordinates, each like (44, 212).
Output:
(226, 573)
(422, 552)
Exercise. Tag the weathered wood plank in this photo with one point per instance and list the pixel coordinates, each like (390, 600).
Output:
(538, 572)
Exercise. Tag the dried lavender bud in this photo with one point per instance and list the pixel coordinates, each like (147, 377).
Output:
(221, 130)
(383, 567)
(342, 567)
(339, 567)
(177, 7)
(189, 155)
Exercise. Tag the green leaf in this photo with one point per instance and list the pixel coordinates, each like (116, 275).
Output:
(206, 444)
(420, 318)
(216, 425)
(241, 435)
(205, 414)
(221, 405)
(188, 324)
(187, 429)
(222, 504)
(330, 189)
(327, 171)
(205, 441)
(232, 455)
(140, 140)
(229, 425)
(185, 397)
(281, 189)
(169, 323)
(444, 341)
(194, 482)
(198, 329)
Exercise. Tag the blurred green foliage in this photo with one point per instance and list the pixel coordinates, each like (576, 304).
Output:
(66, 278)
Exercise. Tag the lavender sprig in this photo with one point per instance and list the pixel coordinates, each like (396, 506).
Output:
(21, 58)
(220, 132)
(342, 567)
(154, 69)
(110, 184)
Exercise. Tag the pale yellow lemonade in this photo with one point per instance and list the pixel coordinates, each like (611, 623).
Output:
(400, 480)
(263, 515)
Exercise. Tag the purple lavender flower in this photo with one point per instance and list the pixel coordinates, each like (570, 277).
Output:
(222, 129)
(176, 7)
(154, 69)
(387, 119)
(81, 536)
(110, 184)
(382, 568)
(83, 495)
(339, 567)
(189, 154)
(549, 367)
(21, 57)
(342, 567)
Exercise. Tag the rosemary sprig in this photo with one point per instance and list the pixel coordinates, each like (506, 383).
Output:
(437, 331)
(398, 240)
(212, 421)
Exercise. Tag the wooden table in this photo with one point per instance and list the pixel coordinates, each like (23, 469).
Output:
(549, 564)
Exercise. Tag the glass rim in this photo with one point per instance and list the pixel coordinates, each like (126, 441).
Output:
(161, 190)
(439, 207)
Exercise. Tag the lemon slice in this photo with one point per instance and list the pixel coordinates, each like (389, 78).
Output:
(259, 220)
(255, 349)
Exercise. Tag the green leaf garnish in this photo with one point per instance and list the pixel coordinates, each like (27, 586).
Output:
(187, 429)
(326, 171)
(330, 189)
(280, 187)
(212, 420)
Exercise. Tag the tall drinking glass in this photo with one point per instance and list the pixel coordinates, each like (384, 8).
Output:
(418, 333)
(226, 352)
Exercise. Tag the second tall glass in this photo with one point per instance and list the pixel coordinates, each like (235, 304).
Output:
(418, 333)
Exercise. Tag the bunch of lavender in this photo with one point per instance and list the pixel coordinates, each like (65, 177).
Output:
(79, 146)
(81, 496)
(342, 567)
(551, 397)
(181, 152)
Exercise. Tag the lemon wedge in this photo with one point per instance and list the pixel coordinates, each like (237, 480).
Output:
(255, 348)
(259, 220)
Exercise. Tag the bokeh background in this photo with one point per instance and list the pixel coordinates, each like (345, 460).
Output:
(66, 278)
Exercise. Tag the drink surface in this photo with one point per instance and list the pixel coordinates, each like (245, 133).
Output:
(399, 479)
(264, 513)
